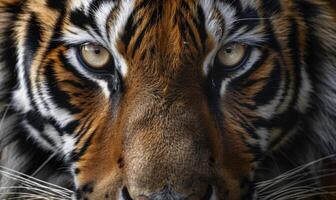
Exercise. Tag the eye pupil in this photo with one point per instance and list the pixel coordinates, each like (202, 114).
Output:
(97, 51)
(228, 50)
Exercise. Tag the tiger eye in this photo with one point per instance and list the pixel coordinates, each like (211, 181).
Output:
(232, 55)
(95, 56)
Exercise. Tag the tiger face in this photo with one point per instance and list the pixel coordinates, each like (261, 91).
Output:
(162, 99)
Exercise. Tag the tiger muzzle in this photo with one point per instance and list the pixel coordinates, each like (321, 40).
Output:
(169, 195)
(168, 155)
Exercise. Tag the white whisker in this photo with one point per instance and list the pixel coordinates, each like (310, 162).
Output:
(33, 179)
(251, 19)
(45, 162)
(35, 186)
(4, 116)
(266, 185)
(298, 177)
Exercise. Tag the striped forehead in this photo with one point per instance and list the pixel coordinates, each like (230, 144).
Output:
(230, 11)
(226, 21)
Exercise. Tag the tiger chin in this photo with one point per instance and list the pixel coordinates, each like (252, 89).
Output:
(168, 100)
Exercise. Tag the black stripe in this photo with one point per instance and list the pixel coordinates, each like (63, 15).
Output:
(85, 82)
(71, 127)
(43, 136)
(36, 154)
(129, 30)
(271, 7)
(58, 4)
(271, 38)
(296, 57)
(186, 29)
(185, 7)
(74, 84)
(75, 156)
(143, 4)
(109, 19)
(32, 41)
(61, 98)
(236, 4)
(78, 18)
(200, 25)
(307, 9)
(269, 92)
(248, 18)
(84, 130)
(35, 120)
(140, 38)
(131, 24)
(9, 53)
(153, 20)
(92, 14)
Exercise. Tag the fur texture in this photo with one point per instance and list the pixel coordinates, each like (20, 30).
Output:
(167, 122)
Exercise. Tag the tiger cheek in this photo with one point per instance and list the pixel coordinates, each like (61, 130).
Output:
(238, 158)
(243, 147)
(104, 178)
(92, 125)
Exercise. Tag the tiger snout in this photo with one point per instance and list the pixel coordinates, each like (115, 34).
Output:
(171, 155)
(170, 168)
(166, 193)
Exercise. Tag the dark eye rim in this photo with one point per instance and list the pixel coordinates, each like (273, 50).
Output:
(109, 68)
(225, 69)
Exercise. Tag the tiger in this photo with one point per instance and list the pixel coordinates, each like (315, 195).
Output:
(168, 100)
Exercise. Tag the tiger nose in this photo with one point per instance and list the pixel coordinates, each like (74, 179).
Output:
(167, 194)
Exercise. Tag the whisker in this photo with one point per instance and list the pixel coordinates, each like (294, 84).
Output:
(4, 116)
(251, 19)
(45, 163)
(297, 182)
(298, 176)
(303, 195)
(307, 189)
(272, 182)
(316, 194)
(30, 189)
(21, 194)
(29, 183)
(33, 179)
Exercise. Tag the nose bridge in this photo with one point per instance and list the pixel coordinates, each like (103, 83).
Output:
(167, 144)
(169, 109)
(171, 118)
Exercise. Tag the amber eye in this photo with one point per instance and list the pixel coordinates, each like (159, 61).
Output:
(232, 56)
(95, 56)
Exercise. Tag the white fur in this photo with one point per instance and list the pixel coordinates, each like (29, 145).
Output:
(68, 144)
(20, 96)
(304, 92)
(80, 4)
(263, 141)
(117, 30)
(269, 110)
(101, 16)
(36, 135)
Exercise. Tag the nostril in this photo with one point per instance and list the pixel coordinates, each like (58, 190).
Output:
(125, 194)
(142, 198)
(208, 194)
